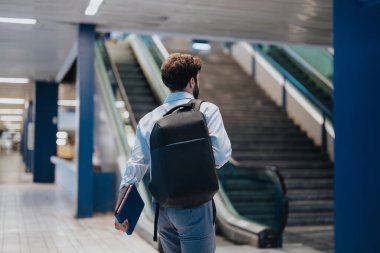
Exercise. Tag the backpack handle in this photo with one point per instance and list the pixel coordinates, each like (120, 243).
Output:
(194, 104)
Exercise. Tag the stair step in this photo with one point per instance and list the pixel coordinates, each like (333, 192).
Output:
(249, 147)
(306, 174)
(311, 206)
(310, 194)
(289, 164)
(142, 99)
(310, 219)
(309, 184)
(263, 156)
(249, 196)
(246, 185)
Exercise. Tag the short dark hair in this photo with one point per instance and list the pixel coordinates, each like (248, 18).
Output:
(178, 69)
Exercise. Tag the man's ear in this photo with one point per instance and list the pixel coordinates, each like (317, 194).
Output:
(192, 82)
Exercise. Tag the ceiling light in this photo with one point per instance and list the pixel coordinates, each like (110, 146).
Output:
(61, 142)
(67, 102)
(93, 7)
(119, 104)
(11, 118)
(13, 80)
(201, 46)
(12, 126)
(62, 135)
(11, 111)
(25, 21)
(16, 101)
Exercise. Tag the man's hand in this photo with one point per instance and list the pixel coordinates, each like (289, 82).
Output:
(121, 226)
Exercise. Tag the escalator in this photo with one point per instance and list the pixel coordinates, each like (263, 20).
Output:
(140, 95)
(262, 135)
(284, 60)
(264, 227)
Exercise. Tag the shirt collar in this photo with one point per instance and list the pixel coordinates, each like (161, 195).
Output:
(178, 95)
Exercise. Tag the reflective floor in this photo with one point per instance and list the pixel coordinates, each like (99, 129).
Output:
(39, 218)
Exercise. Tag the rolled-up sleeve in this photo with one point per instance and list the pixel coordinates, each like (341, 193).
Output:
(221, 144)
(138, 163)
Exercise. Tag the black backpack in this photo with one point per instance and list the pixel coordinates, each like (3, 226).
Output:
(183, 173)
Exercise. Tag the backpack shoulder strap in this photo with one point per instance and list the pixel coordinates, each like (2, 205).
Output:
(194, 104)
(197, 104)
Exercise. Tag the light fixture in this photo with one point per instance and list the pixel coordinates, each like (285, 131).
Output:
(15, 101)
(67, 102)
(119, 104)
(62, 135)
(24, 21)
(14, 80)
(93, 7)
(10, 118)
(126, 114)
(201, 46)
(12, 126)
(61, 142)
(12, 111)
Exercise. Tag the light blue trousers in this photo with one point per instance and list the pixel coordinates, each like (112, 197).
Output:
(187, 230)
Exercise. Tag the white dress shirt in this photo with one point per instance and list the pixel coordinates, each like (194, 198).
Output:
(139, 161)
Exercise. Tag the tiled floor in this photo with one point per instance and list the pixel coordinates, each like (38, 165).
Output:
(37, 218)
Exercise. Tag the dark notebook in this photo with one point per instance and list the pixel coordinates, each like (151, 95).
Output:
(129, 206)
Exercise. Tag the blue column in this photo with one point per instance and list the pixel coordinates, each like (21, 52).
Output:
(357, 125)
(45, 130)
(28, 154)
(85, 89)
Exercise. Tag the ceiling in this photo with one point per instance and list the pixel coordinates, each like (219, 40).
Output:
(38, 51)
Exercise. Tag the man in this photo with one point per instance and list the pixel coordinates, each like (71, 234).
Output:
(181, 230)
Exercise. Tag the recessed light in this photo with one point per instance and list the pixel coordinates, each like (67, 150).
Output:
(11, 111)
(67, 103)
(24, 21)
(93, 7)
(12, 126)
(13, 80)
(201, 46)
(11, 118)
(15, 101)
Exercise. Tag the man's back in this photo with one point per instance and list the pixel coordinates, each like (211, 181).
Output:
(181, 229)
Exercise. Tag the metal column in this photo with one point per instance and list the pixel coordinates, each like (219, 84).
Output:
(45, 130)
(357, 125)
(85, 88)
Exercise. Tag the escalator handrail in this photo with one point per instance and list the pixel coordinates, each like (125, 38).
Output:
(121, 139)
(299, 86)
(251, 226)
(309, 68)
(115, 72)
(279, 182)
(149, 67)
(101, 73)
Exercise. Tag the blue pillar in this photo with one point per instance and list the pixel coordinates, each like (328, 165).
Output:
(357, 125)
(28, 154)
(85, 89)
(45, 130)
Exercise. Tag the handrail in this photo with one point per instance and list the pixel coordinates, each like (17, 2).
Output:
(108, 97)
(267, 174)
(325, 111)
(227, 214)
(116, 76)
(309, 68)
(149, 67)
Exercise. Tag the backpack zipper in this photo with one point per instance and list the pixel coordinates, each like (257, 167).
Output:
(182, 142)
